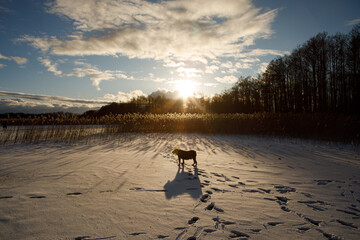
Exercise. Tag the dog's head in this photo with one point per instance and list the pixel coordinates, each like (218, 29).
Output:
(176, 151)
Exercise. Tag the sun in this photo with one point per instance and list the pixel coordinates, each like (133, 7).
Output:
(186, 88)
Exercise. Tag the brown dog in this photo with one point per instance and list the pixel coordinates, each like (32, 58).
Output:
(184, 155)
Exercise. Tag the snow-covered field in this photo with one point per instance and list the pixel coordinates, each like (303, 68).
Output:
(130, 187)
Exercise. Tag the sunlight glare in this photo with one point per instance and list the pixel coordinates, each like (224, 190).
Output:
(186, 88)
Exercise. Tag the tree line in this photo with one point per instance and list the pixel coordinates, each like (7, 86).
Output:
(320, 76)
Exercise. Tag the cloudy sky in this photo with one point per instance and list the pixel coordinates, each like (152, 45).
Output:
(75, 55)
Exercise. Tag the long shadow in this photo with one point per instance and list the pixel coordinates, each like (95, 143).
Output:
(185, 182)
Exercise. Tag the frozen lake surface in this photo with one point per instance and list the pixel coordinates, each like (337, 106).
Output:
(130, 187)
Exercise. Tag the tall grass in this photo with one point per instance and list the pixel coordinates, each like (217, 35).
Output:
(65, 128)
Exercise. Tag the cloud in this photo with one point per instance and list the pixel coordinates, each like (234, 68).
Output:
(166, 30)
(96, 75)
(243, 65)
(210, 84)
(47, 98)
(263, 67)
(353, 22)
(261, 52)
(34, 103)
(189, 72)
(211, 69)
(51, 67)
(227, 79)
(162, 92)
(18, 60)
(21, 106)
(2, 65)
(125, 97)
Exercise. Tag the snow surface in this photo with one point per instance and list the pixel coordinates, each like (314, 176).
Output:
(130, 187)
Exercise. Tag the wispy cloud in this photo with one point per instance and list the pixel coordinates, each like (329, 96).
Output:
(177, 30)
(19, 105)
(96, 75)
(35, 103)
(18, 60)
(261, 52)
(210, 84)
(189, 72)
(263, 67)
(227, 79)
(162, 92)
(353, 22)
(211, 69)
(125, 97)
(47, 98)
(51, 67)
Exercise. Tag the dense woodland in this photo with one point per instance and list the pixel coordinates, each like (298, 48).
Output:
(320, 76)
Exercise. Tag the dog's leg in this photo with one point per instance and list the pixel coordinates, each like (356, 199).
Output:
(195, 162)
(179, 161)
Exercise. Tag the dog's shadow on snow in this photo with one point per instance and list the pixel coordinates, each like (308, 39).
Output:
(185, 182)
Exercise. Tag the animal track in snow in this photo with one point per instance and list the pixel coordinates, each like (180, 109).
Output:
(346, 223)
(74, 193)
(36, 196)
(275, 223)
(193, 220)
(5, 197)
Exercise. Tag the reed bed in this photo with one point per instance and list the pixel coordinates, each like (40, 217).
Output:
(73, 128)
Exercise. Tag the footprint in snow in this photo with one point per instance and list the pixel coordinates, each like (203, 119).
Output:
(224, 222)
(193, 220)
(5, 197)
(349, 224)
(265, 190)
(316, 208)
(137, 233)
(74, 193)
(323, 182)
(209, 230)
(180, 228)
(252, 181)
(236, 234)
(36, 196)
(162, 236)
(209, 192)
(205, 197)
(348, 212)
(328, 235)
(303, 229)
(106, 191)
(251, 191)
(285, 209)
(284, 189)
(270, 199)
(210, 206)
(218, 209)
(317, 223)
(275, 223)
(282, 199)
(308, 195)
(353, 207)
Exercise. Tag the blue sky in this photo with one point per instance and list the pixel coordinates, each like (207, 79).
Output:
(76, 55)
